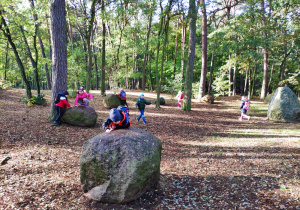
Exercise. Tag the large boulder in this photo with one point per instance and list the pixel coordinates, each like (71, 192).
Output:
(84, 116)
(161, 101)
(111, 101)
(119, 166)
(284, 105)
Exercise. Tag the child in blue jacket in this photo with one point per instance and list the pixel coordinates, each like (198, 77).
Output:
(141, 104)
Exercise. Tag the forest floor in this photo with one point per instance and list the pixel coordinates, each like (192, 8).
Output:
(210, 159)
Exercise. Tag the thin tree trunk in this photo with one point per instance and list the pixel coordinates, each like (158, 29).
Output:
(204, 51)
(269, 85)
(245, 85)
(183, 40)
(33, 62)
(234, 76)
(59, 56)
(211, 68)
(6, 62)
(146, 53)
(265, 53)
(176, 48)
(103, 51)
(229, 75)
(7, 34)
(191, 56)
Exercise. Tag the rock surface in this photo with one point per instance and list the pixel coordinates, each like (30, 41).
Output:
(84, 116)
(161, 100)
(111, 101)
(208, 99)
(284, 105)
(119, 166)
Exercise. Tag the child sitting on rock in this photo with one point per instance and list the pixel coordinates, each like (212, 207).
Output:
(61, 102)
(117, 119)
(82, 97)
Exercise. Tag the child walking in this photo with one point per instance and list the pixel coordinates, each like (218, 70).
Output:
(117, 119)
(141, 104)
(179, 98)
(61, 102)
(122, 96)
(82, 97)
(245, 105)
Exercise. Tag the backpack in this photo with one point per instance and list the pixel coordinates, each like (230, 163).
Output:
(123, 94)
(246, 105)
(126, 112)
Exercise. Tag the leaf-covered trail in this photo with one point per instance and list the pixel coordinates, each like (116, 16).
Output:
(209, 160)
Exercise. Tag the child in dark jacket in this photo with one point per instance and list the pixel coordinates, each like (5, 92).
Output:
(117, 119)
(243, 109)
(61, 102)
(141, 104)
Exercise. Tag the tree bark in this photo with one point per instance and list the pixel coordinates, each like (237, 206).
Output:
(265, 53)
(183, 40)
(103, 51)
(191, 56)
(204, 51)
(176, 47)
(59, 55)
(33, 62)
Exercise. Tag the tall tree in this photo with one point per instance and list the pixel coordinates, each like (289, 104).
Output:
(103, 50)
(192, 16)
(6, 31)
(59, 48)
(204, 51)
(265, 55)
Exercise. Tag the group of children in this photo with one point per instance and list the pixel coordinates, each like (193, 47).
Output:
(119, 117)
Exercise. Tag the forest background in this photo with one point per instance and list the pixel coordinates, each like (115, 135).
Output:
(219, 47)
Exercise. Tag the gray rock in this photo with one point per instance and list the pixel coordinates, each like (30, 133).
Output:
(119, 166)
(161, 101)
(284, 105)
(111, 101)
(84, 116)
(208, 99)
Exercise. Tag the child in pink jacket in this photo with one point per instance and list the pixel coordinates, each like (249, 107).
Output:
(82, 97)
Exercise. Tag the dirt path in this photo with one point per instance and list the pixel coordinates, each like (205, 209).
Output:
(209, 158)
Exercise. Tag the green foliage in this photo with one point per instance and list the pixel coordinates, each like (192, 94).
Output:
(39, 99)
(221, 84)
(5, 84)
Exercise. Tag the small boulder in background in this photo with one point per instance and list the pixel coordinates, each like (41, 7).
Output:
(161, 101)
(118, 167)
(111, 101)
(84, 116)
(208, 99)
(284, 105)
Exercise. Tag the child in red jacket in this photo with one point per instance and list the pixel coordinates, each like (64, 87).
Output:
(61, 102)
(122, 96)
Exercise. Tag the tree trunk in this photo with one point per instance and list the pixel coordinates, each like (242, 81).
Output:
(103, 51)
(204, 51)
(33, 62)
(89, 47)
(6, 62)
(211, 68)
(234, 76)
(146, 53)
(183, 40)
(229, 76)
(191, 57)
(265, 52)
(176, 47)
(59, 55)
(7, 34)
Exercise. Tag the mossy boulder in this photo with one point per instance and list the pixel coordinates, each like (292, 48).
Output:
(119, 166)
(161, 101)
(111, 101)
(208, 99)
(83, 116)
(284, 105)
